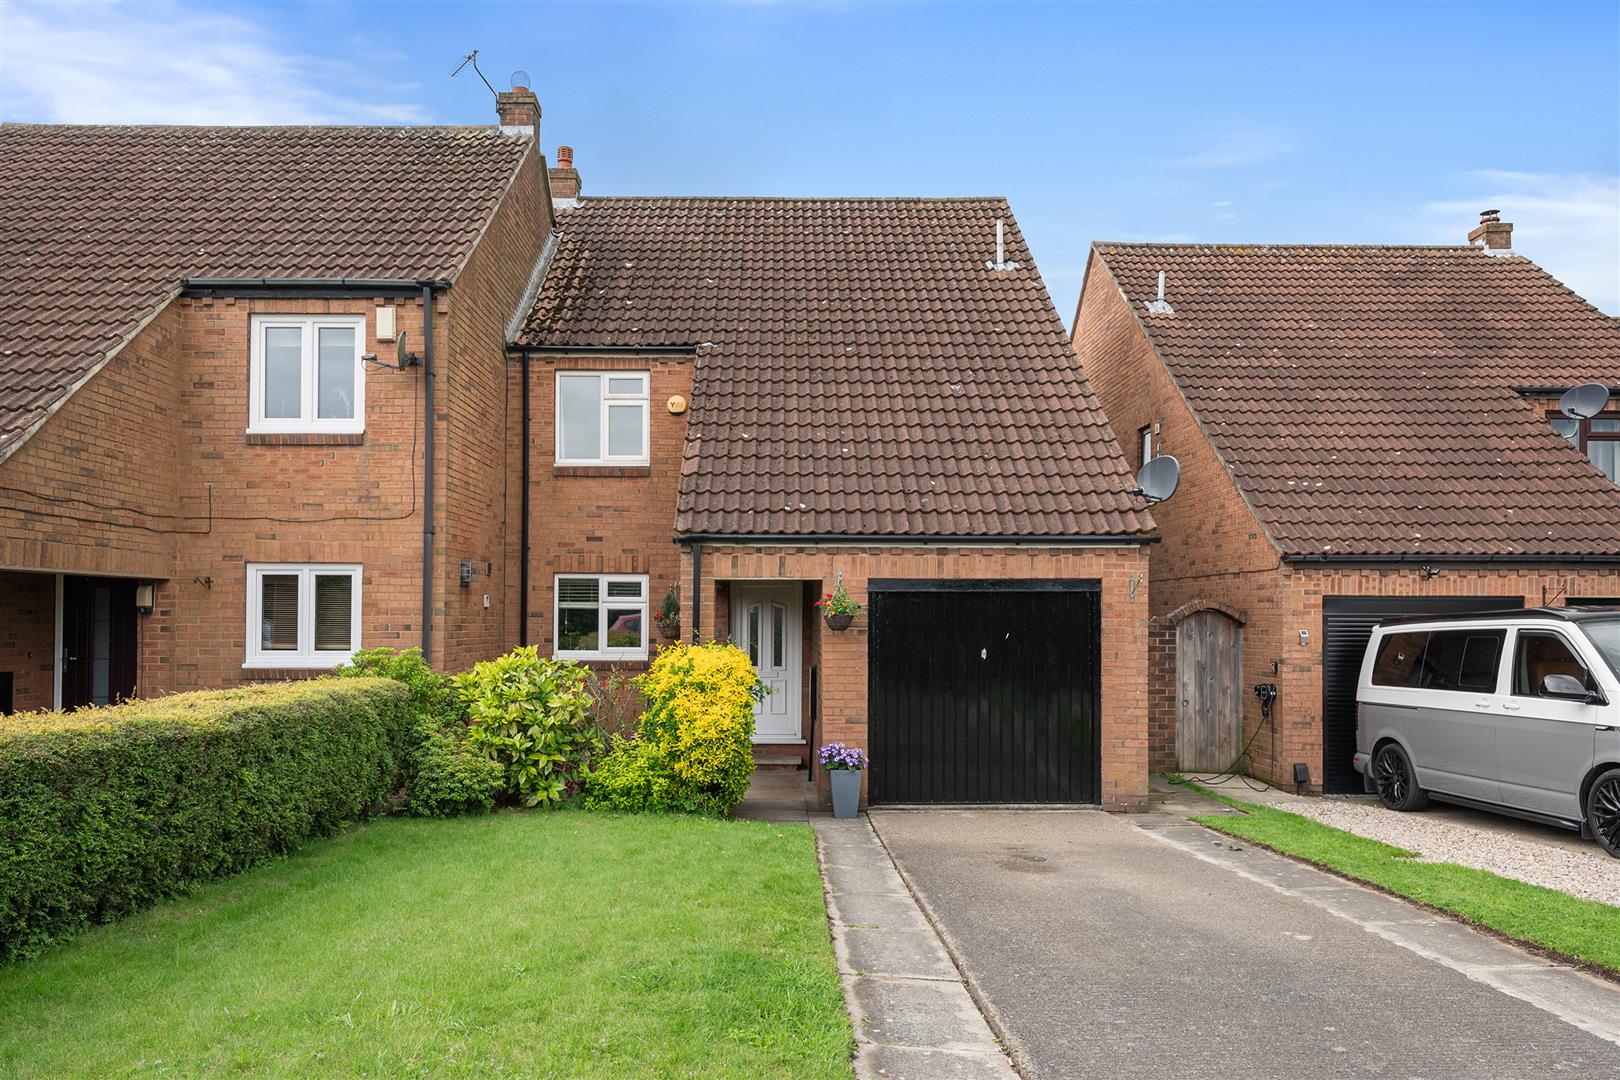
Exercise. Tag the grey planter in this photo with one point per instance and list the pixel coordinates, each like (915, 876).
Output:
(846, 791)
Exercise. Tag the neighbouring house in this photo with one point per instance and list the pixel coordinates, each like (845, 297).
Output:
(1363, 432)
(212, 467)
(755, 401)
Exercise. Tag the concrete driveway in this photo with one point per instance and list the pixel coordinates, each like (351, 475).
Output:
(1144, 946)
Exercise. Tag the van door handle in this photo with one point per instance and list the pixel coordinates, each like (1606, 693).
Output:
(1511, 706)
(1482, 704)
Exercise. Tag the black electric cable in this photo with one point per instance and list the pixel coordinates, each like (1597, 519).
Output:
(1230, 772)
(211, 517)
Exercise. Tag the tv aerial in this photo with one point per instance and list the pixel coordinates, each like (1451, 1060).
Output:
(472, 58)
(1584, 401)
(1158, 479)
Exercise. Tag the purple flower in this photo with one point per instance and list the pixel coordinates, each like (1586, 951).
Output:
(838, 756)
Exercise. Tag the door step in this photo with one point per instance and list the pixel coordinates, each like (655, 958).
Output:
(778, 761)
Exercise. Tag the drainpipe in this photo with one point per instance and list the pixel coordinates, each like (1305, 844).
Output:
(523, 544)
(427, 475)
(697, 590)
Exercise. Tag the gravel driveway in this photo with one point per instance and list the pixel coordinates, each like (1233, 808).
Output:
(1538, 854)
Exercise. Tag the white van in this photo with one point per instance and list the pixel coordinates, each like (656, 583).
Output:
(1512, 711)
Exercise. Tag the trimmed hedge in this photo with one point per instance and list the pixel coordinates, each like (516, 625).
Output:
(105, 811)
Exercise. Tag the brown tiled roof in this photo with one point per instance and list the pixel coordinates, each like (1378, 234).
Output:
(1365, 398)
(863, 372)
(98, 225)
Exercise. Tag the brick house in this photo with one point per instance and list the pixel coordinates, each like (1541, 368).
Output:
(752, 401)
(1363, 432)
(204, 476)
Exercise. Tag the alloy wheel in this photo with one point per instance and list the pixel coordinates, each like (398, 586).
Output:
(1605, 812)
(1389, 774)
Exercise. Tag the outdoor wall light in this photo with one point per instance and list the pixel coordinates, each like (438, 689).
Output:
(1304, 637)
(144, 594)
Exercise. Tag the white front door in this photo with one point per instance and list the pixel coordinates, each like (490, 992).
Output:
(766, 624)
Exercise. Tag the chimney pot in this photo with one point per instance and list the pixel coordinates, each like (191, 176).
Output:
(1492, 233)
(563, 176)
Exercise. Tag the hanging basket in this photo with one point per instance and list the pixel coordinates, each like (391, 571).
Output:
(839, 622)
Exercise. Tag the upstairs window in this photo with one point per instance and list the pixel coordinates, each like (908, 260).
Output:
(1144, 439)
(302, 616)
(601, 616)
(1597, 438)
(306, 374)
(602, 418)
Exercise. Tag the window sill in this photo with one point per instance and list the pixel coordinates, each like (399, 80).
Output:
(305, 438)
(296, 664)
(602, 470)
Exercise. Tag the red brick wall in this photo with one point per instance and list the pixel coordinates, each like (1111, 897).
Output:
(480, 503)
(1214, 551)
(614, 520)
(113, 444)
(841, 656)
(28, 636)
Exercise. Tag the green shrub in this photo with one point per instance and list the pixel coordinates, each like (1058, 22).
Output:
(431, 693)
(104, 811)
(694, 748)
(532, 714)
(451, 778)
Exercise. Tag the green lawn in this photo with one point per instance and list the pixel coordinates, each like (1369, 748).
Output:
(559, 944)
(1582, 930)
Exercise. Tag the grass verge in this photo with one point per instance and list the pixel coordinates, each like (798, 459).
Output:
(1581, 930)
(559, 944)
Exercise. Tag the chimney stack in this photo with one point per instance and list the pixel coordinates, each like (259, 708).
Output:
(564, 177)
(1492, 233)
(519, 110)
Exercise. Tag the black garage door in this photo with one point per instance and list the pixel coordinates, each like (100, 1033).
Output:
(984, 691)
(1347, 623)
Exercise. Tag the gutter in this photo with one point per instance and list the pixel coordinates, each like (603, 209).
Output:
(605, 350)
(859, 540)
(429, 426)
(271, 287)
(1452, 560)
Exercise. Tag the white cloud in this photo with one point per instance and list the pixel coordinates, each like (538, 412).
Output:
(1237, 149)
(1569, 224)
(171, 63)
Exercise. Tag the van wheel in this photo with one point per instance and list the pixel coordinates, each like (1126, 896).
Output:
(1603, 811)
(1396, 780)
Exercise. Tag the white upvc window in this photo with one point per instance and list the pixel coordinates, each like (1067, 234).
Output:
(303, 615)
(601, 617)
(602, 418)
(306, 375)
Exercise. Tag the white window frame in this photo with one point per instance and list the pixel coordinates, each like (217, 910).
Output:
(1144, 436)
(307, 656)
(307, 422)
(605, 399)
(603, 602)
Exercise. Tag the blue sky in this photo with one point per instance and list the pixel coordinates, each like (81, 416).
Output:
(1311, 122)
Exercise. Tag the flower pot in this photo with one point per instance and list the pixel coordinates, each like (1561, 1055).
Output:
(840, 622)
(846, 790)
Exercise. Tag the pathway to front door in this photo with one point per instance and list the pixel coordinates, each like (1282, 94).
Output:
(767, 624)
(1143, 946)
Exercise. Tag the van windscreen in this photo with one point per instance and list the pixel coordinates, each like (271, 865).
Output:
(1606, 636)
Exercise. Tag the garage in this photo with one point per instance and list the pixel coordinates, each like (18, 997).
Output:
(984, 691)
(1347, 623)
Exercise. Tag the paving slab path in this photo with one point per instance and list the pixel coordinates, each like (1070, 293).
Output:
(1145, 946)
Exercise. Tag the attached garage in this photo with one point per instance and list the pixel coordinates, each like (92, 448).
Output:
(1347, 623)
(985, 691)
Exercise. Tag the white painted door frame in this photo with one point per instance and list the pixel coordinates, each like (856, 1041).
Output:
(767, 623)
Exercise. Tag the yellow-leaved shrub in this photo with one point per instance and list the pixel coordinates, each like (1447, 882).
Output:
(693, 750)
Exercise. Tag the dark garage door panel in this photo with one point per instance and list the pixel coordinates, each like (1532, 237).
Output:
(1347, 623)
(984, 692)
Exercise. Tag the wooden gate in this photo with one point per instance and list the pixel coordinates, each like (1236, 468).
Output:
(1209, 691)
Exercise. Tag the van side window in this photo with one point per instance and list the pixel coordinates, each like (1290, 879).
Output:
(1400, 660)
(1541, 655)
(1462, 660)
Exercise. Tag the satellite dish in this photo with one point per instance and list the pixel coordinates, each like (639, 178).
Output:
(401, 355)
(1158, 479)
(1585, 401)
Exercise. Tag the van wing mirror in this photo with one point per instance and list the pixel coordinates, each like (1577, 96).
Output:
(1566, 688)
